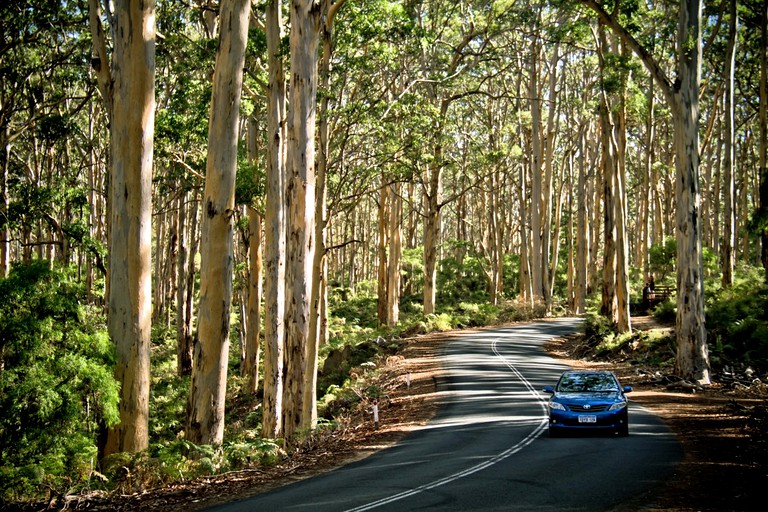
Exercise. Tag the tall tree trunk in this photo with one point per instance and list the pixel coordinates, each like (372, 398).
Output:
(683, 99)
(304, 40)
(692, 353)
(550, 245)
(647, 190)
(432, 229)
(395, 254)
(622, 244)
(183, 320)
(537, 276)
(255, 288)
(274, 250)
(382, 241)
(763, 122)
(252, 342)
(130, 265)
(207, 396)
(729, 215)
(5, 232)
(318, 324)
(582, 230)
(608, 305)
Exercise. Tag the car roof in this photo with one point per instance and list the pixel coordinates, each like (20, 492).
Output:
(603, 372)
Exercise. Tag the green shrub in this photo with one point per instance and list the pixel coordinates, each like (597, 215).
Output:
(737, 323)
(665, 311)
(57, 388)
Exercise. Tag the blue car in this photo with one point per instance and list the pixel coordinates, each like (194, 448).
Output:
(588, 400)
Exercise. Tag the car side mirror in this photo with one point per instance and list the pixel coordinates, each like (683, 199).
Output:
(627, 389)
(549, 389)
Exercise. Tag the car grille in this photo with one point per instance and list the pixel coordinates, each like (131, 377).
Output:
(588, 408)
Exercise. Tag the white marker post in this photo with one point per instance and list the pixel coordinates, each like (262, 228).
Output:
(376, 415)
(408, 380)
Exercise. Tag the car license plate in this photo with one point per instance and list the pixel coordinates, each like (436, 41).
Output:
(588, 419)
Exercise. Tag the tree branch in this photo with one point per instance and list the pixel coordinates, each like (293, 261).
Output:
(650, 63)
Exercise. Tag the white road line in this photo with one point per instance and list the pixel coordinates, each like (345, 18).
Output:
(542, 424)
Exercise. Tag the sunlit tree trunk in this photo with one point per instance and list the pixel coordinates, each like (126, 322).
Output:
(301, 197)
(608, 305)
(274, 250)
(763, 131)
(255, 288)
(183, 292)
(382, 242)
(729, 215)
(550, 243)
(647, 190)
(395, 253)
(622, 225)
(432, 231)
(205, 413)
(622, 244)
(252, 341)
(130, 265)
(318, 324)
(536, 265)
(582, 230)
(692, 353)
(5, 233)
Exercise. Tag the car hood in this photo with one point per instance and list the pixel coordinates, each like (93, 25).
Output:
(603, 396)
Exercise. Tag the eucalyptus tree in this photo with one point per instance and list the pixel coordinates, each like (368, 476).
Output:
(615, 283)
(275, 219)
(729, 216)
(306, 22)
(318, 299)
(682, 95)
(307, 19)
(763, 130)
(127, 84)
(205, 420)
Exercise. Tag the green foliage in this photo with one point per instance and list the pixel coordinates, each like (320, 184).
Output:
(598, 328)
(737, 323)
(462, 278)
(665, 312)
(662, 257)
(56, 386)
(168, 400)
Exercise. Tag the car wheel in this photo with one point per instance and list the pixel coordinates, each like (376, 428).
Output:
(553, 432)
(624, 431)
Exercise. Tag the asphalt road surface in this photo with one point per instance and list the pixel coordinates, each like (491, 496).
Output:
(487, 449)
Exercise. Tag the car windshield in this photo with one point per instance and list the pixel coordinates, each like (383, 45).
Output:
(586, 382)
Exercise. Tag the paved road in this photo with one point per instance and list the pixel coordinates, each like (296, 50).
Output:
(487, 449)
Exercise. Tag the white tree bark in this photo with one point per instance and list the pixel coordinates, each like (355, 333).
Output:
(692, 353)
(683, 99)
(304, 40)
(130, 261)
(205, 421)
(582, 230)
(395, 254)
(536, 266)
(274, 251)
(729, 215)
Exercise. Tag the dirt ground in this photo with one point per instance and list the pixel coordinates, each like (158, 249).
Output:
(723, 469)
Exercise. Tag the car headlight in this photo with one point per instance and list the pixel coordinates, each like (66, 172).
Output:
(557, 406)
(617, 406)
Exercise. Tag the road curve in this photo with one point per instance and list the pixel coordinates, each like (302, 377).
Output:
(487, 448)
